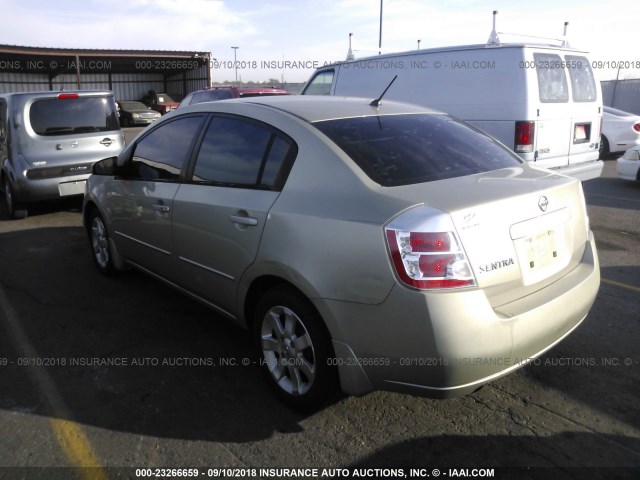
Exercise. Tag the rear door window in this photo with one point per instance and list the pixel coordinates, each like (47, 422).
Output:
(239, 153)
(583, 85)
(73, 115)
(552, 81)
(407, 149)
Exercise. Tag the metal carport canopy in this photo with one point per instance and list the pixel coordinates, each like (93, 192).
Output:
(54, 61)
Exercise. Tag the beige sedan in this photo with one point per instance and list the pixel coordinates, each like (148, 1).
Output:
(365, 246)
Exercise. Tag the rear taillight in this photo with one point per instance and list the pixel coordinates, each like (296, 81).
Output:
(525, 132)
(429, 260)
(636, 127)
(67, 96)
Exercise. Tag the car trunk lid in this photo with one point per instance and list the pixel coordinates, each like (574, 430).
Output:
(521, 228)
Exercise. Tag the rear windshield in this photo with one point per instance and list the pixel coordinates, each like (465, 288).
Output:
(53, 116)
(583, 84)
(552, 81)
(407, 149)
(210, 95)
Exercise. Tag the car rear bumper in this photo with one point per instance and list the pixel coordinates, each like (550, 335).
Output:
(28, 190)
(444, 344)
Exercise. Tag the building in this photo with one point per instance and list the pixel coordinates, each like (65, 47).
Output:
(128, 73)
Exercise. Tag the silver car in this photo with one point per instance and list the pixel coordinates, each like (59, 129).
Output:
(376, 247)
(50, 140)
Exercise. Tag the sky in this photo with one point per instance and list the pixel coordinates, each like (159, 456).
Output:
(286, 40)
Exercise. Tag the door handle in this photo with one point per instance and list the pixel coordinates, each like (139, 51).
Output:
(158, 207)
(106, 142)
(240, 220)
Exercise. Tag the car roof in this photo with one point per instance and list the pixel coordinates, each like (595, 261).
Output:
(317, 108)
(55, 93)
(454, 48)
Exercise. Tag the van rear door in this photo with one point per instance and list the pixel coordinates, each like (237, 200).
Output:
(553, 119)
(586, 112)
(568, 113)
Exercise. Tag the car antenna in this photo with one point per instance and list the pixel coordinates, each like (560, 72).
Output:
(377, 101)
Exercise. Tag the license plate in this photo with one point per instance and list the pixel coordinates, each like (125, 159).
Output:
(72, 188)
(542, 249)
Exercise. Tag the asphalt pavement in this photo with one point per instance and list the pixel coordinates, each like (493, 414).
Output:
(125, 378)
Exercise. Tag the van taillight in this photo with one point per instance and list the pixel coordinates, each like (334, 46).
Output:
(429, 260)
(524, 136)
(636, 127)
(67, 96)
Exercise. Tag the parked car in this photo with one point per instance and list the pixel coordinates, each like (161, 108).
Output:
(375, 247)
(628, 165)
(50, 140)
(225, 93)
(133, 113)
(160, 102)
(620, 131)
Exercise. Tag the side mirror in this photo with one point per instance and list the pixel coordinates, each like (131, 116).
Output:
(105, 167)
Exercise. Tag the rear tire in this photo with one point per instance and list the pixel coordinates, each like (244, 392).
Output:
(15, 210)
(604, 147)
(295, 349)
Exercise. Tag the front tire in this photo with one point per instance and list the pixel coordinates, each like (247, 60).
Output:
(100, 245)
(295, 349)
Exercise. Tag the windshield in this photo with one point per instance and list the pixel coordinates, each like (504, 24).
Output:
(55, 116)
(164, 98)
(407, 149)
(133, 106)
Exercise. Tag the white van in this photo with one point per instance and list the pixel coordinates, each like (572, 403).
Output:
(542, 101)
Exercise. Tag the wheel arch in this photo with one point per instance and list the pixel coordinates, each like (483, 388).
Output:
(87, 211)
(261, 285)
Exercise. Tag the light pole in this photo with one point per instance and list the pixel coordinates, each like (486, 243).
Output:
(380, 33)
(235, 61)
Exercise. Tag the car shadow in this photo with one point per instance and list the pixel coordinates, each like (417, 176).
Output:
(600, 353)
(129, 353)
(132, 355)
(71, 204)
